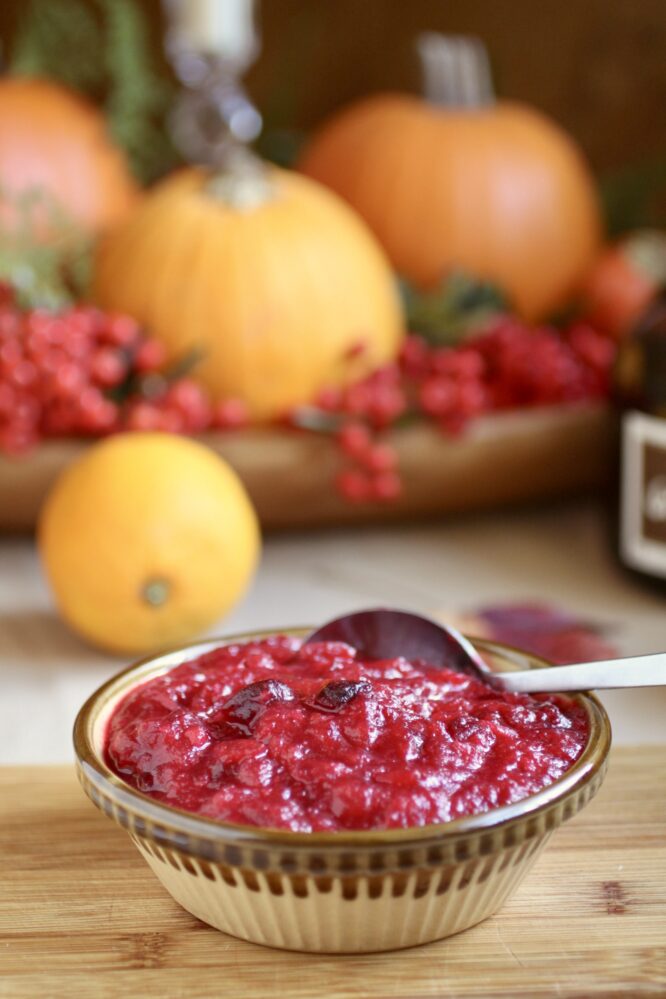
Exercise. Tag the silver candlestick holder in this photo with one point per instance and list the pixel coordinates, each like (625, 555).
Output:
(210, 44)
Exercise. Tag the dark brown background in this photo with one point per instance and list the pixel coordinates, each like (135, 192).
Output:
(599, 66)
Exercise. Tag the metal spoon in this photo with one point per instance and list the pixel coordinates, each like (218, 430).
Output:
(387, 634)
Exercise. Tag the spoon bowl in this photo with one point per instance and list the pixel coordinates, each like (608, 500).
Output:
(386, 634)
(383, 633)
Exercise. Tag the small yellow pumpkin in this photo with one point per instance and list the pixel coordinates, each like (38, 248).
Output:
(270, 276)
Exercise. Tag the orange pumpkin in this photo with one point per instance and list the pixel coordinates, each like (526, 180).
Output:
(54, 143)
(495, 189)
(269, 276)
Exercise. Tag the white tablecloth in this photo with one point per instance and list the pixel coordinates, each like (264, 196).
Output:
(557, 554)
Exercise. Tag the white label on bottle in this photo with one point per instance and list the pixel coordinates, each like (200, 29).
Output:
(643, 493)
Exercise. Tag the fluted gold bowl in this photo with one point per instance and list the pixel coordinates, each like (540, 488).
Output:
(340, 892)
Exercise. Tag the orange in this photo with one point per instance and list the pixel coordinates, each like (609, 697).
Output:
(146, 540)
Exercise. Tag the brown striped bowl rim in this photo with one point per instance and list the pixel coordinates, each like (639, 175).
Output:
(178, 821)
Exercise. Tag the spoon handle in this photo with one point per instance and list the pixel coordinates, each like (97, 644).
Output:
(608, 674)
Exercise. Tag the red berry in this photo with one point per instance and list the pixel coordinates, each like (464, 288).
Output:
(355, 439)
(68, 379)
(592, 347)
(143, 416)
(85, 322)
(230, 414)
(438, 395)
(414, 356)
(104, 418)
(453, 425)
(172, 422)
(458, 362)
(149, 356)
(15, 442)
(7, 398)
(24, 374)
(7, 295)
(387, 405)
(76, 345)
(357, 399)
(472, 398)
(355, 486)
(26, 411)
(10, 325)
(386, 486)
(60, 417)
(107, 367)
(381, 458)
(191, 402)
(120, 331)
(329, 399)
(42, 324)
(388, 374)
(11, 353)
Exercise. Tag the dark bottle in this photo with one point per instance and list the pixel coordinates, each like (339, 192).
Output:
(640, 391)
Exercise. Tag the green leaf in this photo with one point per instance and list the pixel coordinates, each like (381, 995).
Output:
(138, 98)
(459, 307)
(46, 274)
(59, 39)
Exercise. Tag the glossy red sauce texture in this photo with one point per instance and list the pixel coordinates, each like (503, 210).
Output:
(269, 734)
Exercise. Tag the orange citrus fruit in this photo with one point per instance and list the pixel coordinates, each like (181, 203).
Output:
(146, 540)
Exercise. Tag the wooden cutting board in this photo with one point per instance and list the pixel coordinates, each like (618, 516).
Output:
(82, 915)
(506, 458)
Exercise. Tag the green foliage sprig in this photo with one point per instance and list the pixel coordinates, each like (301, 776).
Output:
(458, 307)
(48, 274)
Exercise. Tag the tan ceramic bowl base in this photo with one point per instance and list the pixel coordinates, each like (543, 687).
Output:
(429, 905)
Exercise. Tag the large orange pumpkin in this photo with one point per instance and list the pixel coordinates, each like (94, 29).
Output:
(495, 189)
(52, 142)
(269, 276)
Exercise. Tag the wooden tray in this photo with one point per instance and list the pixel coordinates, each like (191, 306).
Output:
(504, 459)
(81, 914)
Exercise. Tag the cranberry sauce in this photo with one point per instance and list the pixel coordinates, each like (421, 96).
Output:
(314, 738)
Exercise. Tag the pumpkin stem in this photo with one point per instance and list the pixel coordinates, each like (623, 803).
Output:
(242, 181)
(456, 70)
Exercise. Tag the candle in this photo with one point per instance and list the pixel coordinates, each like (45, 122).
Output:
(222, 27)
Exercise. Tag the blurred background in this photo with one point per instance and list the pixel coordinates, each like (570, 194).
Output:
(597, 68)
(392, 372)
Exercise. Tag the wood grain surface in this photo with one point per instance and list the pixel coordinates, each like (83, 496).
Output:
(82, 915)
(504, 459)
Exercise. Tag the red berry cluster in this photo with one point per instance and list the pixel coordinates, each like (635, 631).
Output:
(508, 366)
(82, 372)
(512, 366)
(373, 474)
